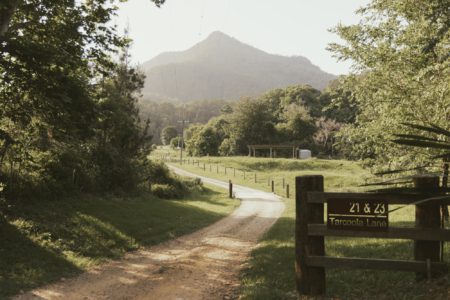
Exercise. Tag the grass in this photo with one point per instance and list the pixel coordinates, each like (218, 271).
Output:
(42, 242)
(269, 273)
(339, 174)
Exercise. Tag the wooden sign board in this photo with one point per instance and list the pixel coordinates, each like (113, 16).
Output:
(357, 214)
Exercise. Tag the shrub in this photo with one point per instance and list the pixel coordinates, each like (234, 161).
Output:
(166, 191)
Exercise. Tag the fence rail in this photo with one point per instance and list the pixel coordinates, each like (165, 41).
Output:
(310, 260)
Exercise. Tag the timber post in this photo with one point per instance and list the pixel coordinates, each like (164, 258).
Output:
(230, 188)
(427, 217)
(287, 190)
(309, 280)
(273, 187)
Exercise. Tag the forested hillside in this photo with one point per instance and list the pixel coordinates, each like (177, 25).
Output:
(221, 67)
(170, 113)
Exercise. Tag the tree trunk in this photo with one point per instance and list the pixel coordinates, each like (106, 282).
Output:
(6, 13)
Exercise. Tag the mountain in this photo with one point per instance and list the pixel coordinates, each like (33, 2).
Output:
(221, 67)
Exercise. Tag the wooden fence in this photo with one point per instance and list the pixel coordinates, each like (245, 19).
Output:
(219, 168)
(310, 230)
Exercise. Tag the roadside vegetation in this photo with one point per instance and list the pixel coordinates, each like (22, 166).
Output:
(44, 241)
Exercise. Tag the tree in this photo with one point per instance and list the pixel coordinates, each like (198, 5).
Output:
(251, 123)
(122, 143)
(325, 134)
(167, 134)
(9, 7)
(340, 104)
(56, 58)
(298, 125)
(400, 74)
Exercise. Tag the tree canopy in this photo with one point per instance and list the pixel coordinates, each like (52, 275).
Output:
(68, 110)
(400, 54)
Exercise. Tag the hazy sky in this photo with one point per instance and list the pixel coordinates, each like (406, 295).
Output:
(287, 27)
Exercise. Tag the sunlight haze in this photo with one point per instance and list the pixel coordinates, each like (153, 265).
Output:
(291, 28)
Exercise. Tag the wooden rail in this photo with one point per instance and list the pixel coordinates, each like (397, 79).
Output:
(392, 233)
(410, 198)
(310, 230)
(375, 264)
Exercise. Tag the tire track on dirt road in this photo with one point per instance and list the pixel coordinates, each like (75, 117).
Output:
(201, 265)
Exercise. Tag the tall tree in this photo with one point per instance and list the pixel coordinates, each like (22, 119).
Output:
(400, 74)
(167, 134)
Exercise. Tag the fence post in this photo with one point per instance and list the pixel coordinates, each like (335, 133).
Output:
(309, 280)
(210, 167)
(287, 190)
(217, 169)
(255, 178)
(230, 188)
(427, 216)
(283, 183)
(273, 188)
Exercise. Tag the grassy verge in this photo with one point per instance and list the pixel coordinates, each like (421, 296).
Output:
(270, 271)
(45, 241)
(340, 175)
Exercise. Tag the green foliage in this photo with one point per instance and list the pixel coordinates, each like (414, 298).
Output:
(166, 191)
(68, 117)
(340, 105)
(178, 189)
(401, 65)
(283, 116)
(168, 113)
(167, 134)
(175, 142)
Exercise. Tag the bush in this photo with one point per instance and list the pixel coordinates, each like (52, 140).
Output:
(170, 187)
(166, 191)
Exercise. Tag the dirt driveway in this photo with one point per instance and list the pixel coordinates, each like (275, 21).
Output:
(201, 265)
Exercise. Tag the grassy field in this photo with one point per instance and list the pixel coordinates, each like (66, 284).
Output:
(45, 241)
(270, 271)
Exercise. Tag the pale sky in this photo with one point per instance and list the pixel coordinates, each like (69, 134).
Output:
(286, 27)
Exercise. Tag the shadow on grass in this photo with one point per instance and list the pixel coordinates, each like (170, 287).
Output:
(52, 239)
(24, 264)
(208, 196)
(271, 275)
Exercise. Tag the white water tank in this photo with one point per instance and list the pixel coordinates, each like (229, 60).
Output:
(304, 153)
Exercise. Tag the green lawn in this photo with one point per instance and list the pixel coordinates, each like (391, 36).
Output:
(44, 241)
(270, 271)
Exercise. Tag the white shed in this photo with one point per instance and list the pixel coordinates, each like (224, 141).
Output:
(304, 153)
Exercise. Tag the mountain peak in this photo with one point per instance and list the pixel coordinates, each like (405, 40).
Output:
(222, 67)
(218, 34)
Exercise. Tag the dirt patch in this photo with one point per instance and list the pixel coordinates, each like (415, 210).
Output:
(201, 265)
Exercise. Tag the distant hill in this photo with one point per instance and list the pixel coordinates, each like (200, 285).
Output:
(221, 67)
